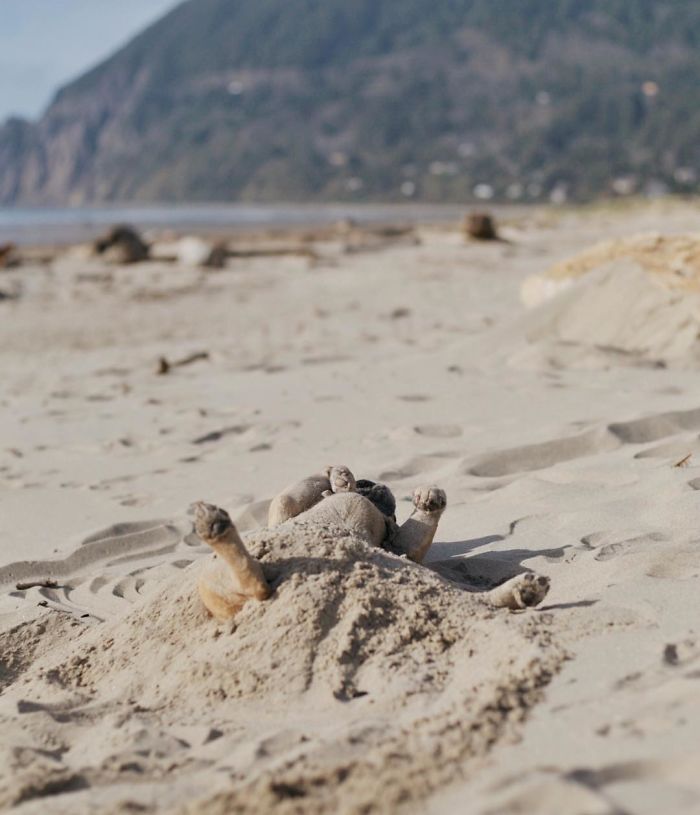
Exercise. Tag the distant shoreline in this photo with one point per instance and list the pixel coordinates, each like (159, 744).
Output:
(44, 226)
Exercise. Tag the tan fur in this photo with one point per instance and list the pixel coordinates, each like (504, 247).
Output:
(342, 506)
(520, 592)
(222, 608)
(282, 508)
(306, 493)
(360, 516)
(415, 536)
(233, 577)
(352, 511)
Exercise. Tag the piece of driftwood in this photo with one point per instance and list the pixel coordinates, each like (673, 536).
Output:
(272, 251)
(8, 256)
(122, 245)
(481, 226)
(165, 366)
(684, 462)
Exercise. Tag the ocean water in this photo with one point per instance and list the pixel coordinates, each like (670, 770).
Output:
(47, 226)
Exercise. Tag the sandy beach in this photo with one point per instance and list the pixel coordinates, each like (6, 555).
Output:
(566, 435)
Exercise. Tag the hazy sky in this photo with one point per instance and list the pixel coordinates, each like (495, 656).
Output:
(45, 43)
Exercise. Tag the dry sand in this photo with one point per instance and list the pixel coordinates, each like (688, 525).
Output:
(366, 684)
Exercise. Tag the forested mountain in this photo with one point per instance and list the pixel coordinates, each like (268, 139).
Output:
(376, 99)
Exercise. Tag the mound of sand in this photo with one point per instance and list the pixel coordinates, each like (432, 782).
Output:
(672, 260)
(361, 660)
(639, 296)
(620, 307)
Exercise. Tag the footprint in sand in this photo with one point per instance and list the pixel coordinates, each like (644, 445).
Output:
(215, 435)
(108, 483)
(654, 428)
(682, 449)
(438, 431)
(546, 454)
(327, 359)
(418, 465)
(130, 559)
(246, 431)
(677, 563)
(609, 545)
(598, 440)
(133, 500)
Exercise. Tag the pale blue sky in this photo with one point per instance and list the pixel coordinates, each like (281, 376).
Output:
(46, 43)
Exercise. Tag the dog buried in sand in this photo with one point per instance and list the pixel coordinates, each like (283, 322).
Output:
(333, 498)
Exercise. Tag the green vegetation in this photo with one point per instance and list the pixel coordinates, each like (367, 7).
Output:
(376, 99)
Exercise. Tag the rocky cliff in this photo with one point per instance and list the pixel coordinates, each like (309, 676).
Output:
(274, 100)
